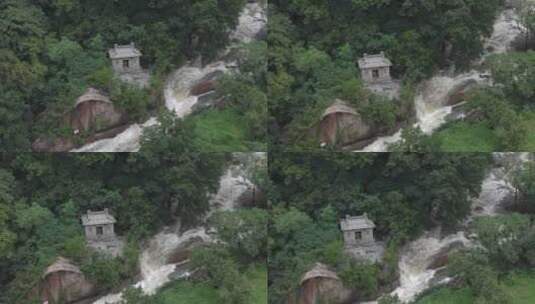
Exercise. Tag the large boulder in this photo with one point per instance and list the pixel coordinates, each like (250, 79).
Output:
(61, 144)
(341, 125)
(183, 252)
(321, 285)
(63, 282)
(458, 93)
(440, 259)
(203, 87)
(94, 111)
(52, 145)
(252, 197)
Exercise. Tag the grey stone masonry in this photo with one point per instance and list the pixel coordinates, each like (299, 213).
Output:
(359, 241)
(375, 68)
(375, 72)
(358, 230)
(100, 232)
(125, 58)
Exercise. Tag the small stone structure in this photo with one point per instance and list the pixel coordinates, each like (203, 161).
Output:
(100, 233)
(375, 72)
(375, 68)
(125, 60)
(359, 241)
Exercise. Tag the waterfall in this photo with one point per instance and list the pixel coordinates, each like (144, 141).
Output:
(252, 21)
(154, 263)
(431, 101)
(418, 255)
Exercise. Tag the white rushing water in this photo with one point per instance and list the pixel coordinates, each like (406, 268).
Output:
(420, 253)
(154, 267)
(431, 101)
(414, 275)
(252, 21)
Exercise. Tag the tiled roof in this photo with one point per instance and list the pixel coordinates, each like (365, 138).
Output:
(124, 51)
(374, 61)
(356, 223)
(97, 218)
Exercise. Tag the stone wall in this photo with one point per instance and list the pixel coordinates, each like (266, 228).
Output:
(133, 65)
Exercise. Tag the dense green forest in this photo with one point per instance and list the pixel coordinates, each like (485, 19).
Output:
(404, 194)
(51, 51)
(314, 47)
(43, 196)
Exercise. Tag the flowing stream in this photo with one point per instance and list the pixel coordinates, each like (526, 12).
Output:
(155, 270)
(252, 22)
(418, 255)
(431, 101)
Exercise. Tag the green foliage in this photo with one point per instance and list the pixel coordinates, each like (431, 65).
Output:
(222, 273)
(245, 231)
(413, 140)
(131, 99)
(518, 288)
(472, 267)
(463, 136)
(524, 182)
(515, 73)
(138, 212)
(222, 130)
(133, 295)
(505, 239)
(381, 112)
(246, 91)
(7, 236)
(501, 117)
(361, 277)
(103, 270)
(182, 291)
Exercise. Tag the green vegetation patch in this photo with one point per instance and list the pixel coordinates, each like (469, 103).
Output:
(448, 295)
(188, 292)
(203, 293)
(478, 137)
(518, 288)
(466, 137)
(258, 278)
(529, 123)
(221, 130)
